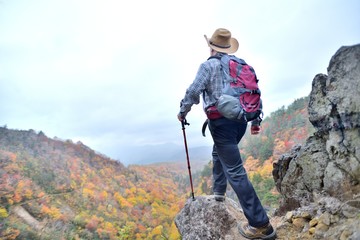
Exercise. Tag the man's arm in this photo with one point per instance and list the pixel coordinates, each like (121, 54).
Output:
(192, 95)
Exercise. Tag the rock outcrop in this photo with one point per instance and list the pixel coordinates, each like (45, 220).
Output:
(323, 176)
(205, 218)
(330, 160)
(319, 182)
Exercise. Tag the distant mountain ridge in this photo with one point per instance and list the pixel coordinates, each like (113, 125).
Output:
(166, 152)
(55, 189)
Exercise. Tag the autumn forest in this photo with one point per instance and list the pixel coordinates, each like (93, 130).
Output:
(57, 189)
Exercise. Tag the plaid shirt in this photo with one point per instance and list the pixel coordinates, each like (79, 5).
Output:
(208, 82)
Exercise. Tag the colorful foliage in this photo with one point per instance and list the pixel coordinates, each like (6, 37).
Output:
(90, 196)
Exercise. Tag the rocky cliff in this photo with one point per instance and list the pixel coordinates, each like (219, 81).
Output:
(319, 182)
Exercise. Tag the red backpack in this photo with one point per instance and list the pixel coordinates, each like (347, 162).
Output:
(241, 96)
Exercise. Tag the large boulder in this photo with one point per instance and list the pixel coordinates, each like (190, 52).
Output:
(329, 162)
(205, 218)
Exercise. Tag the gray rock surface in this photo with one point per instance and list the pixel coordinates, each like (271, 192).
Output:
(330, 160)
(206, 218)
(322, 178)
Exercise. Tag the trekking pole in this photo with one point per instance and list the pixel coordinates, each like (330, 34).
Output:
(183, 123)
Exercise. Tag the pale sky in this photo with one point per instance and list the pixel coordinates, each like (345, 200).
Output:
(111, 73)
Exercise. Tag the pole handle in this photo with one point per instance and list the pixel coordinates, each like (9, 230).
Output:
(183, 123)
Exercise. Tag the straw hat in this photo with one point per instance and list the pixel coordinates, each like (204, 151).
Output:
(221, 41)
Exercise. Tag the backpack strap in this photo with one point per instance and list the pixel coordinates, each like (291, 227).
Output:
(224, 61)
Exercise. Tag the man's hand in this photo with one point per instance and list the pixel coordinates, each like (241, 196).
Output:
(181, 117)
(255, 129)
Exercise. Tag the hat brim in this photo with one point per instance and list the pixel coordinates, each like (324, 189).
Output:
(234, 45)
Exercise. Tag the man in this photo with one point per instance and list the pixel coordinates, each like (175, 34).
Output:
(226, 134)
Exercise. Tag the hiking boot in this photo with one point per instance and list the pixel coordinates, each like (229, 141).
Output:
(219, 197)
(265, 232)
